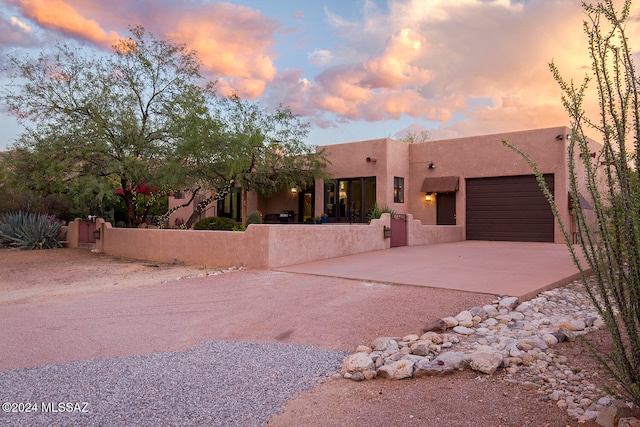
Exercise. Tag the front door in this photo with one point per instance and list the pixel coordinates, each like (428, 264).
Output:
(446, 208)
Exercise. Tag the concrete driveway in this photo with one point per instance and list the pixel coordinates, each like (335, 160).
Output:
(496, 268)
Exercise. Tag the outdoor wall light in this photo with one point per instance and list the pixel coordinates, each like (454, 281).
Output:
(431, 165)
(559, 137)
(428, 197)
(371, 160)
(294, 190)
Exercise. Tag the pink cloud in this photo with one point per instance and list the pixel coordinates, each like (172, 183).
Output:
(59, 15)
(235, 43)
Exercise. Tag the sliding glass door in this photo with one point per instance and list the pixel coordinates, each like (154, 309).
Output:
(350, 200)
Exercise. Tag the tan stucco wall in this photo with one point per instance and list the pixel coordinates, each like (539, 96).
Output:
(419, 234)
(261, 246)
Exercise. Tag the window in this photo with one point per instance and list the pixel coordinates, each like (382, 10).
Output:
(398, 189)
(350, 199)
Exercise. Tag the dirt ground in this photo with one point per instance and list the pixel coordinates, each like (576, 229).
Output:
(101, 306)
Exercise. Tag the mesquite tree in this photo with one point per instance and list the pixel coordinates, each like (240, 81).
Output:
(114, 115)
(610, 243)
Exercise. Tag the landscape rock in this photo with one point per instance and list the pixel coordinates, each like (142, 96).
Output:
(508, 302)
(485, 360)
(463, 330)
(431, 368)
(421, 348)
(356, 362)
(454, 359)
(518, 337)
(437, 326)
(397, 370)
(465, 318)
(449, 322)
(385, 344)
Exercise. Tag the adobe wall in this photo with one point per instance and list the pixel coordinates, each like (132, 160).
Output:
(261, 246)
(219, 249)
(419, 234)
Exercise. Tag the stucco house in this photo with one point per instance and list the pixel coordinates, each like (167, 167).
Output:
(474, 182)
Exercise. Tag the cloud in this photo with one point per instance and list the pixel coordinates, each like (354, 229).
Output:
(17, 23)
(232, 41)
(435, 59)
(61, 16)
(235, 43)
(320, 57)
(15, 33)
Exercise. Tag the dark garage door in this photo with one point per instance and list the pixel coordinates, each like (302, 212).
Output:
(510, 208)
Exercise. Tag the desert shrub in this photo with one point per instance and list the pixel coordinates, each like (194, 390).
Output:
(376, 212)
(30, 231)
(255, 217)
(610, 243)
(215, 223)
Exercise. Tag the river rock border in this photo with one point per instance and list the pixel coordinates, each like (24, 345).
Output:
(518, 337)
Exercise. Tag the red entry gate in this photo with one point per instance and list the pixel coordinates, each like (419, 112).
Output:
(85, 231)
(398, 230)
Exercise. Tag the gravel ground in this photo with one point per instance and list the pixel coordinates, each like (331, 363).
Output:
(216, 383)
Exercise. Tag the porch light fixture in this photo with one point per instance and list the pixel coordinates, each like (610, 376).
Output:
(428, 197)
(431, 165)
(371, 160)
(294, 190)
(560, 137)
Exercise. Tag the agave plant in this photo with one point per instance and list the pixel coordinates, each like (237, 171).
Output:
(30, 231)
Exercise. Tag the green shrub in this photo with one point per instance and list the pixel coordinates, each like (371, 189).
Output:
(30, 231)
(215, 223)
(376, 212)
(255, 217)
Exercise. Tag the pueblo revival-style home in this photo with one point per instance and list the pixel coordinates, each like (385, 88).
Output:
(474, 182)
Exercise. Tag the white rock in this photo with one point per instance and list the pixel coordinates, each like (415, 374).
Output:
(428, 368)
(411, 337)
(508, 303)
(449, 322)
(549, 339)
(453, 358)
(516, 315)
(397, 370)
(490, 309)
(463, 330)
(363, 349)
(432, 336)
(357, 362)
(578, 325)
(485, 361)
(465, 318)
(491, 322)
(385, 344)
(421, 348)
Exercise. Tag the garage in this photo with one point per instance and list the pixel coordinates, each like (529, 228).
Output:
(509, 208)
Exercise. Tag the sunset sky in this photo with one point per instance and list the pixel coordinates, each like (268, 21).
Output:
(356, 69)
